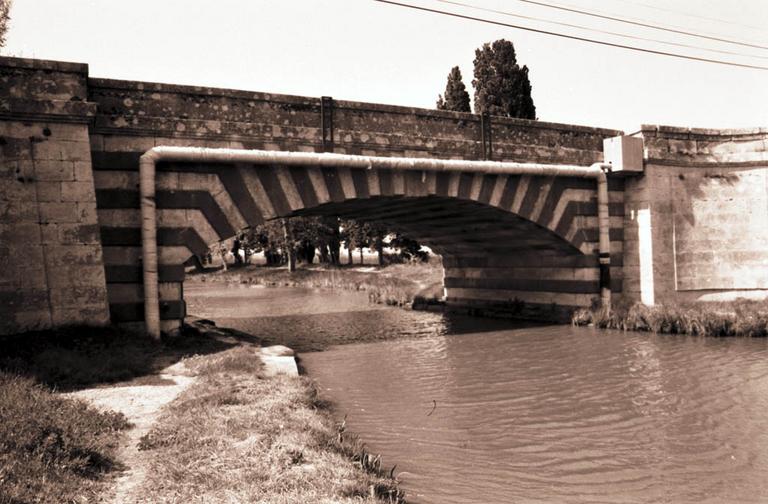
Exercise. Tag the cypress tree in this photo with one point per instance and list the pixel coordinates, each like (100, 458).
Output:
(501, 85)
(5, 10)
(456, 97)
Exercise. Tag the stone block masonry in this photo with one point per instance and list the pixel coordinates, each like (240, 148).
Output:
(51, 261)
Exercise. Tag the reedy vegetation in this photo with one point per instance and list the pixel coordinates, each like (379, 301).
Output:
(735, 318)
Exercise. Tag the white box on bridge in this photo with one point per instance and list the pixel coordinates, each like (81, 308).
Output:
(624, 153)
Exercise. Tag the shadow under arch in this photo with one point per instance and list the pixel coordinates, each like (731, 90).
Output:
(451, 226)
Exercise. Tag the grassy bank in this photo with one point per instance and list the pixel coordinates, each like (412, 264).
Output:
(53, 449)
(397, 284)
(735, 318)
(235, 436)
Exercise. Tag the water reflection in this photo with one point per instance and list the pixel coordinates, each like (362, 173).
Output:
(314, 319)
(535, 413)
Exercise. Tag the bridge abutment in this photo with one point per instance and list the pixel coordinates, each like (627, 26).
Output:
(51, 263)
(696, 222)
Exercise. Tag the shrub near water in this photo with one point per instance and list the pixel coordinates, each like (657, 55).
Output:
(52, 449)
(735, 318)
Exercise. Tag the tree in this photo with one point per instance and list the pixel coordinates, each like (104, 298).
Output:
(410, 249)
(5, 10)
(353, 234)
(456, 97)
(501, 85)
(376, 232)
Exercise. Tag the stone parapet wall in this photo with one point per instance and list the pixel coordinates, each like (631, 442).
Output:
(697, 147)
(281, 122)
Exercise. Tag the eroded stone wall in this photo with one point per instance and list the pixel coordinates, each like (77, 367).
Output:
(51, 264)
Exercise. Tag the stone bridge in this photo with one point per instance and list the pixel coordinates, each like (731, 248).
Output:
(70, 223)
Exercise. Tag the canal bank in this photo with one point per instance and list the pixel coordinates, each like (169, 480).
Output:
(246, 431)
(222, 423)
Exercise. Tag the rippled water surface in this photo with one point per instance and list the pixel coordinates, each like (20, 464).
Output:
(526, 413)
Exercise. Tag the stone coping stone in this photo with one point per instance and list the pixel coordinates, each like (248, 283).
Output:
(274, 365)
(39, 64)
(702, 133)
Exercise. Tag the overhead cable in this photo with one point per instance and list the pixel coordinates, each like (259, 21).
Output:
(639, 23)
(571, 37)
(597, 30)
(694, 16)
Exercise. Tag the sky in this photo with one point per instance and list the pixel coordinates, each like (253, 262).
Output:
(364, 50)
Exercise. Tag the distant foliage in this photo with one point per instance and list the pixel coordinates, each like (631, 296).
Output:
(456, 97)
(410, 249)
(501, 86)
(305, 239)
(5, 11)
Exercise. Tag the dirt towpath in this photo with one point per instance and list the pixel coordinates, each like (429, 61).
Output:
(141, 405)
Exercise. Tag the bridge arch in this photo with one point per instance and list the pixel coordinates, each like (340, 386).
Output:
(505, 239)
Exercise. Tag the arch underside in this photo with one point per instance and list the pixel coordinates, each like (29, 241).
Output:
(505, 240)
(451, 227)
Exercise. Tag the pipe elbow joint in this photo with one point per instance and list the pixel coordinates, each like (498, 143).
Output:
(151, 156)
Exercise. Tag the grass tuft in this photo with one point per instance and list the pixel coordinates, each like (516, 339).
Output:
(57, 449)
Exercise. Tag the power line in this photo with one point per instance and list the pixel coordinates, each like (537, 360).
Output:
(572, 37)
(639, 23)
(597, 30)
(686, 14)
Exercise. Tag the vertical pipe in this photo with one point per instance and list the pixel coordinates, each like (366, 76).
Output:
(604, 246)
(149, 243)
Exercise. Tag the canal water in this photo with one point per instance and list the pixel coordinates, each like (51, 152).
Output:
(484, 411)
